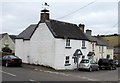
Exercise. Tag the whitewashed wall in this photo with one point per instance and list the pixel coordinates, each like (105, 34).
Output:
(46, 50)
(98, 52)
(42, 46)
(26, 50)
(110, 52)
(92, 50)
(19, 48)
(61, 52)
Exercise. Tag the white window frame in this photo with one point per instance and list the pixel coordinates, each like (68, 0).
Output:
(67, 43)
(83, 44)
(93, 47)
(67, 61)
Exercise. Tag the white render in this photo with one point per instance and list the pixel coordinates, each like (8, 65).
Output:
(100, 51)
(61, 52)
(44, 49)
(110, 52)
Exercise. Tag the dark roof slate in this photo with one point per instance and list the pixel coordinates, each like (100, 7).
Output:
(2, 35)
(65, 30)
(58, 29)
(27, 33)
(13, 37)
(91, 38)
(98, 41)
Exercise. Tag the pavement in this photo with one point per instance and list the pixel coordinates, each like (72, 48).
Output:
(45, 68)
(32, 66)
(35, 72)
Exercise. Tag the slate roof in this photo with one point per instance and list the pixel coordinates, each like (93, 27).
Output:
(13, 37)
(58, 29)
(2, 35)
(91, 38)
(65, 30)
(103, 43)
(27, 33)
(98, 41)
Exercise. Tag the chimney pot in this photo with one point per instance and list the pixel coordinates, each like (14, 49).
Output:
(44, 15)
(82, 26)
(89, 32)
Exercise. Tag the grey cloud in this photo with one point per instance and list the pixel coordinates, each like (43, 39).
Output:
(19, 15)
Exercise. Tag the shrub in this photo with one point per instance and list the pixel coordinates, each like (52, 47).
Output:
(6, 49)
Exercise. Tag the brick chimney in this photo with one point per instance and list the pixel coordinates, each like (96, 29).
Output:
(44, 15)
(82, 26)
(89, 32)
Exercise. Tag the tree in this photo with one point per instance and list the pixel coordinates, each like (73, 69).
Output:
(7, 50)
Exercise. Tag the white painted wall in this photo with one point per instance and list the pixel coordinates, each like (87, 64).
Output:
(42, 46)
(19, 48)
(61, 52)
(26, 50)
(110, 52)
(98, 52)
(46, 50)
(22, 49)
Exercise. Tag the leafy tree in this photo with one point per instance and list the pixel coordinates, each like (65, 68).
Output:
(6, 49)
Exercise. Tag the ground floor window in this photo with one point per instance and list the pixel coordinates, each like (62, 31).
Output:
(67, 61)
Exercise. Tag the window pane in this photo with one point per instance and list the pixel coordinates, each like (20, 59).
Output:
(67, 42)
(67, 57)
(67, 62)
(83, 43)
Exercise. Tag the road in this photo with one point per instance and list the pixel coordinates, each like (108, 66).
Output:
(46, 74)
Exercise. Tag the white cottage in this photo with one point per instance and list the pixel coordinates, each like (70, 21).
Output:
(52, 43)
(7, 40)
(98, 48)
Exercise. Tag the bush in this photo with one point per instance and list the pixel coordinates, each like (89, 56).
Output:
(6, 49)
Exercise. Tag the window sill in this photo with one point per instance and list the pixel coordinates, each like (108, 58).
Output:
(68, 47)
(67, 64)
(83, 47)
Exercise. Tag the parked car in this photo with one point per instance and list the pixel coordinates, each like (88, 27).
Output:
(117, 63)
(106, 64)
(11, 60)
(89, 65)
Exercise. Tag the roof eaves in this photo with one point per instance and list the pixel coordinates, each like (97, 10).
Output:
(48, 24)
(34, 30)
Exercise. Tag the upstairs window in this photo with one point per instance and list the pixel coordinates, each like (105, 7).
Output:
(99, 49)
(83, 45)
(93, 48)
(67, 44)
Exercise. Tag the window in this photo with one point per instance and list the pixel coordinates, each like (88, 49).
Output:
(99, 49)
(67, 42)
(83, 45)
(67, 61)
(93, 47)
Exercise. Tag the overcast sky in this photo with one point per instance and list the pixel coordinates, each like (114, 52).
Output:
(99, 15)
